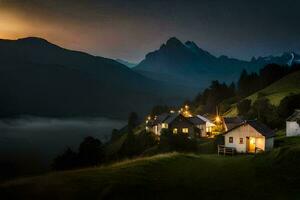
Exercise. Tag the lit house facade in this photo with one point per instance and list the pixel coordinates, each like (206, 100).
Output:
(208, 124)
(293, 124)
(249, 137)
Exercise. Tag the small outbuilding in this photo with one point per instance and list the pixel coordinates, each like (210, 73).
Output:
(249, 137)
(293, 124)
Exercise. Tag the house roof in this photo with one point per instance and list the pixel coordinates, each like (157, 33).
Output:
(196, 120)
(295, 116)
(259, 127)
(162, 117)
(206, 120)
(232, 122)
(159, 119)
(171, 117)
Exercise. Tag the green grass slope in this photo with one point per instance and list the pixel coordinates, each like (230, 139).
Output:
(274, 92)
(173, 176)
(280, 89)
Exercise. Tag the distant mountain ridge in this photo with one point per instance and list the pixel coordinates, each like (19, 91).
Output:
(126, 63)
(287, 58)
(188, 64)
(40, 78)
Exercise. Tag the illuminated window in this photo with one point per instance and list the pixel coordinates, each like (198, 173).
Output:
(230, 139)
(185, 130)
(164, 125)
(208, 129)
(175, 130)
(241, 141)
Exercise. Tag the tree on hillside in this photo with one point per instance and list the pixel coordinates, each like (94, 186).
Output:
(129, 144)
(115, 134)
(232, 89)
(133, 121)
(214, 95)
(288, 105)
(91, 152)
(244, 107)
(265, 112)
(136, 144)
(271, 73)
(68, 160)
(248, 83)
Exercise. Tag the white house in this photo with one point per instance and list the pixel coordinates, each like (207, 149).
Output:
(209, 125)
(249, 137)
(293, 124)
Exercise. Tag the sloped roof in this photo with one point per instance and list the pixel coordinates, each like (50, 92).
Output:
(196, 120)
(262, 128)
(171, 117)
(162, 117)
(206, 120)
(233, 120)
(295, 116)
(259, 127)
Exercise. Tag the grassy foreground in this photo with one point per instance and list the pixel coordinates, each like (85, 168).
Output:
(174, 176)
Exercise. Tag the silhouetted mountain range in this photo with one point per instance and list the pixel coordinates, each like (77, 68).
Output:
(40, 78)
(188, 64)
(126, 63)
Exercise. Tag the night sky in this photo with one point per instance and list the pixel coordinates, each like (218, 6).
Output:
(130, 29)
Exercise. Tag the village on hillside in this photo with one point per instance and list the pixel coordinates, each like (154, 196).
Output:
(239, 135)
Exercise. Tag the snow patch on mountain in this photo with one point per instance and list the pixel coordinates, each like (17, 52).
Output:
(290, 62)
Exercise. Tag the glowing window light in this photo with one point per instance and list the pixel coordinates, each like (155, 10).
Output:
(218, 119)
(185, 130)
(164, 125)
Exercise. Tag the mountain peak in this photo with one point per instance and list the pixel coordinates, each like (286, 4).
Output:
(191, 45)
(34, 40)
(194, 47)
(173, 41)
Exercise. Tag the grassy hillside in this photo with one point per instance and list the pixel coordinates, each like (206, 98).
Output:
(274, 92)
(280, 89)
(174, 176)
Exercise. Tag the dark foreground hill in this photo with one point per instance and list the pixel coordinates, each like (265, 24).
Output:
(274, 175)
(40, 78)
